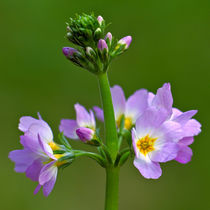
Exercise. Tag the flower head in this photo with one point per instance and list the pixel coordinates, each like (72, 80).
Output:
(37, 159)
(82, 128)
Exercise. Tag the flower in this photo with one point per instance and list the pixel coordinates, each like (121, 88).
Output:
(100, 19)
(36, 159)
(130, 109)
(190, 127)
(82, 128)
(154, 140)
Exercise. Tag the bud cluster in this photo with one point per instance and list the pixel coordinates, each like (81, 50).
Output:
(94, 48)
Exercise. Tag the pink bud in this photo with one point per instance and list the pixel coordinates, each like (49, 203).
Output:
(85, 134)
(102, 45)
(109, 36)
(100, 19)
(125, 40)
(68, 51)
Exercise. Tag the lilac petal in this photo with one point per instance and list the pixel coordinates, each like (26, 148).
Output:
(185, 117)
(119, 102)
(99, 113)
(167, 152)
(34, 169)
(31, 143)
(191, 128)
(186, 141)
(136, 104)
(134, 140)
(46, 148)
(37, 189)
(68, 127)
(44, 131)
(150, 170)
(150, 98)
(163, 98)
(85, 134)
(172, 131)
(26, 122)
(48, 187)
(175, 113)
(84, 119)
(184, 155)
(47, 172)
(150, 119)
(22, 158)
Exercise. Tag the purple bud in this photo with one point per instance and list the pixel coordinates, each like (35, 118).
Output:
(68, 51)
(109, 36)
(126, 40)
(85, 134)
(100, 19)
(102, 45)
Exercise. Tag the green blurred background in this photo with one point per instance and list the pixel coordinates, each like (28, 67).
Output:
(171, 43)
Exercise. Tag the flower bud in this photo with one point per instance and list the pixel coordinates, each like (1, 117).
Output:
(102, 45)
(97, 34)
(108, 36)
(90, 52)
(100, 19)
(68, 51)
(125, 41)
(85, 134)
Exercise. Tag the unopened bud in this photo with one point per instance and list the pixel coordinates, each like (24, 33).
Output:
(108, 36)
(125, 41)
(68, 51)
(90, 52)
(85, 134)
(100, 19)
(102, 45)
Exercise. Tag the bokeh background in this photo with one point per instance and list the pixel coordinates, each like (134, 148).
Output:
(171, 43)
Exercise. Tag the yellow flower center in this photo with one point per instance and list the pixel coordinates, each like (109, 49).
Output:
(54, 146)
(146, 144)
(59, 163)
(127, 123)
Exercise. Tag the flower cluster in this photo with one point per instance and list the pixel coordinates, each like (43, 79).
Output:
(160, 133)
(95, 48)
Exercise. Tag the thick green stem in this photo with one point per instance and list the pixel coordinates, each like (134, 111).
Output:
(112, 188)
(109, 118)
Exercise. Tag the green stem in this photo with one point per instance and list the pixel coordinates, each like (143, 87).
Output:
(109, 118)
(112, 188)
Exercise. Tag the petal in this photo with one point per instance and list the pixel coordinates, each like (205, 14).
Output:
(84, 119)
(47, 150)
(150, 119)
(136, 104)
(33, 170)
(191, 128)
(48, 187)
(175, 113)
(43, 131)
(150, 170)
(26, 122)
(134, 140)
(185, 117)
(163, 98)
(186, 141)
(37, 189)
(22, 158)
(167, 152)
(150, 98)
(118, 100)
(85, 134)
(68, 127)
(184, 155)
(99, 113)
(47, 172)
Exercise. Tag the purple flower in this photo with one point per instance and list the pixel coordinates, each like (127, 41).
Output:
(130, 109)
(100, 19)
(125, 40)
(83, 127)
(36, 159)
(154, 140)
(68, 51)
(102, 45)
(190, 127)
(108, 36)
